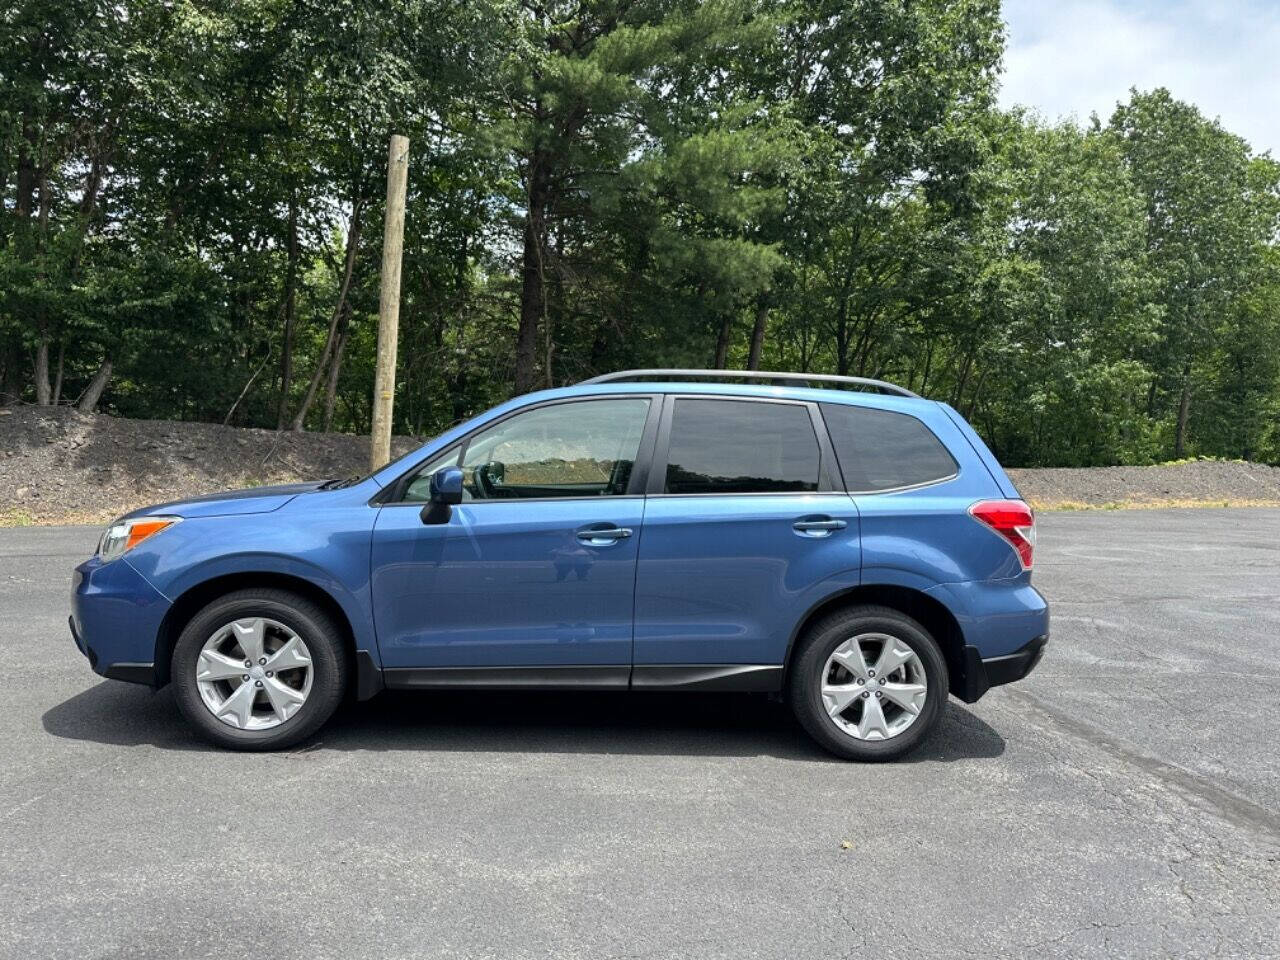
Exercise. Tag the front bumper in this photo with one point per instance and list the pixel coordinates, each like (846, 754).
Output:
(115, 619)
(980, 675)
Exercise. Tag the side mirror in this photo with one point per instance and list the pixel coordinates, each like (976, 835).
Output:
(446, 489)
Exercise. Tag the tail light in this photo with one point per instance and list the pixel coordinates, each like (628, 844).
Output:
(1014, 521)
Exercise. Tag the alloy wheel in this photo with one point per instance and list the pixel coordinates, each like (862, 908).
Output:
(874, 686)
(254, 673)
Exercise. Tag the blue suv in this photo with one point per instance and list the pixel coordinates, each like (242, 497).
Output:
(861, 553)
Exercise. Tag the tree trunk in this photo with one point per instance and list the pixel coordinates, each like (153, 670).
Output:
(977, 394)
(335, 369)
(722, 343)
(43, 392)
(842, 319)
(245, 389)
(842, 349)
(928, 366)
(533, 293)
(27, 172)
(353, 242)
(4, 192)
(957, 393)
(549, 348)
(1184, 413)
(57, 377)
(46, 205)
(11, 380)
(290, 311)
(94, 391)
(757, 332)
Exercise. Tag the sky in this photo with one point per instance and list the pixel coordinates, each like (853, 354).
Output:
(1078, 57)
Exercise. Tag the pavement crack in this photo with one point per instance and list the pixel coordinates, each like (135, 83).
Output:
(1231, 807)
(1075, 932)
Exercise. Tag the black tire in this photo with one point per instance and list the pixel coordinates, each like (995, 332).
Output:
(810, 659)
(329, 660)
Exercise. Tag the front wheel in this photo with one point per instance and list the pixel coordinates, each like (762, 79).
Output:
(259, 669)
(868, 683)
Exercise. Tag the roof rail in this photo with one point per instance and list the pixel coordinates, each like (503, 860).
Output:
(806, 378)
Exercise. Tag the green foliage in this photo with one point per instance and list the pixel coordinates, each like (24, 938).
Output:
(192, 205)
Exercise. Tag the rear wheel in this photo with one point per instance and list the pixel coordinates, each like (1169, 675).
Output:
(259, 669)
(868, 683)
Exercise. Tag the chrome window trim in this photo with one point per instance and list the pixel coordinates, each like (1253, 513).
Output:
(905, 489)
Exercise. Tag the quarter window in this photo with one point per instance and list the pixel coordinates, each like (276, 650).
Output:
(734, 446)
(884, 450)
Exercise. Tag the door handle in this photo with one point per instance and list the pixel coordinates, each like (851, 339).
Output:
(818, 526)
(603, 536)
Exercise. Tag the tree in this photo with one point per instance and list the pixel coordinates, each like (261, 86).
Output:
(827, 185)
(614, 111)
(1193, 177)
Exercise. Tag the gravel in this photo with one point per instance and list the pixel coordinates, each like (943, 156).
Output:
(1193, 483)
(60, 466)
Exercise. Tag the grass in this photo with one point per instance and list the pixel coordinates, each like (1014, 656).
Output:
(15, 517)
(1186, 460)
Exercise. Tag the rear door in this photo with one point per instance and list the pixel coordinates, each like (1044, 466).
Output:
(745, 529)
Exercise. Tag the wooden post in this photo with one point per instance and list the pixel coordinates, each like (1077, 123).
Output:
(384, 380)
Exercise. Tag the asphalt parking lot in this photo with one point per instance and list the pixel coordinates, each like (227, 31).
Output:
(1124, 800)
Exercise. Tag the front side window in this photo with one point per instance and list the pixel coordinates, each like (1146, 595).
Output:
(581, 449)
(884, 450)
(736, 446)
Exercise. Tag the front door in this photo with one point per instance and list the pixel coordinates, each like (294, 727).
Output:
(744, 530)
(534, 574)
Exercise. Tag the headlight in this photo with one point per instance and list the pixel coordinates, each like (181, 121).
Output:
(123, 535)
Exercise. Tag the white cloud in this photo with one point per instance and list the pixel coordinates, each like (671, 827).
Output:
(1078, 57)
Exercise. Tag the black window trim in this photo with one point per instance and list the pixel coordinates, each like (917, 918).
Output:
(658, 467)
(392, 495)
(886, 490)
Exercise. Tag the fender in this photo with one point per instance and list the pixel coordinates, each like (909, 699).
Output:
(354, 605)
(202, 549)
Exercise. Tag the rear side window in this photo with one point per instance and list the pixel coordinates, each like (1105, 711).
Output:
(884, 450)
(734, 446)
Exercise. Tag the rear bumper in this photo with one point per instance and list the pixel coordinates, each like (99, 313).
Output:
(981, 675)
(1004, 625)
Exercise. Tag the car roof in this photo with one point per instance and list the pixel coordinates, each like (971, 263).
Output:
(862, 398)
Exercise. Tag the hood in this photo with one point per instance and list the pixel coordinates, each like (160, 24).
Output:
(230, 502)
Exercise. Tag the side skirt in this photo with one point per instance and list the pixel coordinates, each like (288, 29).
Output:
(737, 677)
(745, 678)
(507, 678)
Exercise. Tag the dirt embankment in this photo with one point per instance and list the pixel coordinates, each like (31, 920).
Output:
(59, 466)
(1205, 483)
